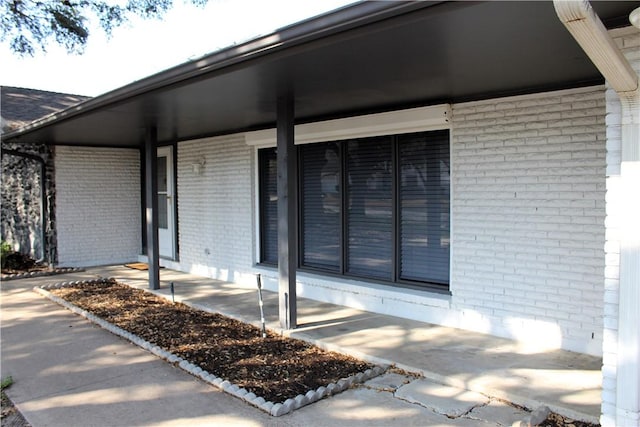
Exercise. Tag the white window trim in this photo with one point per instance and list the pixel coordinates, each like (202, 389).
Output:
(421, 119)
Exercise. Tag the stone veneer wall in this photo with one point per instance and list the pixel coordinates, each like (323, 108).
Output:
(21, 222)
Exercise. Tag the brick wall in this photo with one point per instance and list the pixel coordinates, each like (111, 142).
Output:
(98, 205)
(528, 192)
(215, 208)
(628, 39)
(527, 217)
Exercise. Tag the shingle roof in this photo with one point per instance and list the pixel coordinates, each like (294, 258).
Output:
(20, 106)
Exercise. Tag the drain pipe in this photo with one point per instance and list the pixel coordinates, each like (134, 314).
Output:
(585, 26)
(43, 219)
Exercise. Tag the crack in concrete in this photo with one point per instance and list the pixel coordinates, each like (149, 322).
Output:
(391, 388)
(467, 415)
(378, 389)
(419, 404)
(394, 393)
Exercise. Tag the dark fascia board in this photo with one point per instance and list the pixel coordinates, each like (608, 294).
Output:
(322, 26)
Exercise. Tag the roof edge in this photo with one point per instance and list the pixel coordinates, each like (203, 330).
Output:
(314, 28)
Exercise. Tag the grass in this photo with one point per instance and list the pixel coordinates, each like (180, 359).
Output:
(6, 383)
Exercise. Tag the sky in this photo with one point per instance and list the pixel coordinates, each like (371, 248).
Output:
(145, 47)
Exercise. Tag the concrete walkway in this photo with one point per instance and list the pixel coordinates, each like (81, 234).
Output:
(69, 372)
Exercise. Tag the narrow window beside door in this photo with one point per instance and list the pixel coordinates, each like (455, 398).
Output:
(267, 160)
(163, 220)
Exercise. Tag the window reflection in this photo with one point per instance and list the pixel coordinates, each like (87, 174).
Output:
(369, 195)
(321, 200)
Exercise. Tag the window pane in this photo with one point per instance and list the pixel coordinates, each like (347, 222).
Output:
(424, 206)
(321, 200)
(162, 174)
(163, 221)
(162, 193)
(268, 206)
(369, 213)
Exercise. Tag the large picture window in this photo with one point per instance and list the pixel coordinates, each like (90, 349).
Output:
(370, 207)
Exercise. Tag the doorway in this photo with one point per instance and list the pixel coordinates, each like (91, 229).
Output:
(166, 204)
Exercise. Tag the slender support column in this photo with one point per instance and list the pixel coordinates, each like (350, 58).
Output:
(287, 214)
(151, 205)
(628, 370)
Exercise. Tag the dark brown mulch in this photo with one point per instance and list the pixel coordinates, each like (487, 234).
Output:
(275, 367)
(17, 265)
(555, 420)
(9, 415)
(15, 262)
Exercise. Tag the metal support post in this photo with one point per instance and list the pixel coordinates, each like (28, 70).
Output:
(151, 206)
(287, 213)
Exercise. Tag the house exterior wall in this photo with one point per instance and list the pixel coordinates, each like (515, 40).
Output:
(528, 216)
(215, 208)
(527, 254)
(628, 40)
(98, 205)
(22, 225)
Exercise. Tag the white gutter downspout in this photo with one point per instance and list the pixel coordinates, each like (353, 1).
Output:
(585, 26)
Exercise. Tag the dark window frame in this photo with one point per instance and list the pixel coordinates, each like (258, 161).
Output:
(395, 278)
(263, 157)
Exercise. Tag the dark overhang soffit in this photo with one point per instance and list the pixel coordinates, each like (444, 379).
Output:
(368, 57)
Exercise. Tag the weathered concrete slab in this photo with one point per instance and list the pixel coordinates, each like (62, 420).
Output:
(388, 382)
(499, 412)
(442, 399)
(60, 361)
(68, 372)
(369, 407)
(566, 382)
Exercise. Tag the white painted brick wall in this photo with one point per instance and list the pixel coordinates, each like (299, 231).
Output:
(627, 39)
(97, 205)
(215, 208)
(527, 217)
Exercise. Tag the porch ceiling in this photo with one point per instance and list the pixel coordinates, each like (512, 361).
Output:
(372, 56)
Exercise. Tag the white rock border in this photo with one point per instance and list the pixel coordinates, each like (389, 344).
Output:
(41, 273)
(274, 409)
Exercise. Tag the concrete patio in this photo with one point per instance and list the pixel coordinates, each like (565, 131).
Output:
(566, 382)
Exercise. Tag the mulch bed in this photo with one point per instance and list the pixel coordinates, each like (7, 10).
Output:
(9, 415)
(19, 266)
(275, 367)
(555, 420)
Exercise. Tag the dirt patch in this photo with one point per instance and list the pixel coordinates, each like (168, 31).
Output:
(19, 266)
(10, 416)
(555, 420)
(274, 367)
(15, 262)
